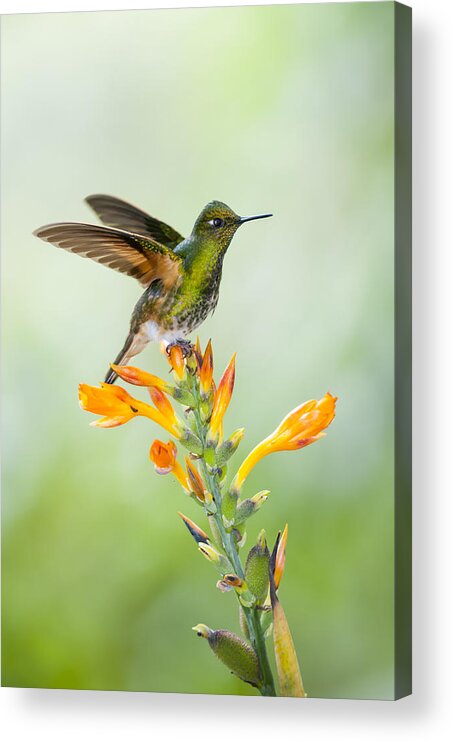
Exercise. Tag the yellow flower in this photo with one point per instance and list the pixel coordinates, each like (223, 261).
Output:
(163, 456)
(206, 371)
(299, 428)
(222, 399)
(138, 377)
(118, 407)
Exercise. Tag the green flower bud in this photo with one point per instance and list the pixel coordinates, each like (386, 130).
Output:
(243, 623)
(257, 569)
(228, 508)
(209, 503)
(247, 599)
(240, 535)
(251, 505)
(221, 473)
(206, 407)
(192, 442)
(191, 362)
(182, 395)
(213, 556)
(228, 447)
(237, 654)
(215, 531)
(209, 454)
(267, 621)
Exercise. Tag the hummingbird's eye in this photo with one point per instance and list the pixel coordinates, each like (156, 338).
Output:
(216, 222)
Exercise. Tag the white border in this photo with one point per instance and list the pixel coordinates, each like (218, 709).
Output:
(83, 716)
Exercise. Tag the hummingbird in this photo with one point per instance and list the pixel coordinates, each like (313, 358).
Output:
(181, 276)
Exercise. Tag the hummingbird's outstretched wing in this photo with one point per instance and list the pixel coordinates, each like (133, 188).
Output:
(118, 213)
(137, 256)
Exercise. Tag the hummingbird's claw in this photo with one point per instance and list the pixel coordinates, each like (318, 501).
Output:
(185, 345)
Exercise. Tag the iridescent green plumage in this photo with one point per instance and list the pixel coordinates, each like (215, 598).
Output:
(182, 276)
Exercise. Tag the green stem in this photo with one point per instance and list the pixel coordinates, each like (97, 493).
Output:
(252, 615)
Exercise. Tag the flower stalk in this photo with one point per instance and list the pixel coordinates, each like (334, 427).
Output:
(204, 479)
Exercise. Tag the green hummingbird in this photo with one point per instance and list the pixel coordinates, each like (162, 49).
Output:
(181, 275)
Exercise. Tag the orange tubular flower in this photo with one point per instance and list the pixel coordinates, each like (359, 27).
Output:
(299, 428)
(207, 368)
(163, 405)
(222, 399)
(197, 357)
(196, 482)
(118, 407)
(176, 360)
(163, 456)
(280, 558)
(136, 376)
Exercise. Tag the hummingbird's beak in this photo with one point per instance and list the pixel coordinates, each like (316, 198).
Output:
(243, 219)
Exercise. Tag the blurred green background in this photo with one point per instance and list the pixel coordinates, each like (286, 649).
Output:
(282, 109)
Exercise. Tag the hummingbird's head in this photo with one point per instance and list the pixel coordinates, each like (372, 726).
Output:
(218, 223)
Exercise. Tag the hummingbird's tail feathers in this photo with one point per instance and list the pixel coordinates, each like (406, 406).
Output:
(122, 358)
(118, 213)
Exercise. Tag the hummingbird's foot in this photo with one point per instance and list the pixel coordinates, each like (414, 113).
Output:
(185, 345)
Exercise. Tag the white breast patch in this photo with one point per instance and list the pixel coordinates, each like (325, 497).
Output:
(156, 333)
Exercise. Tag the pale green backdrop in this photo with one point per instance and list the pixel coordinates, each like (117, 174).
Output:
(282, 109)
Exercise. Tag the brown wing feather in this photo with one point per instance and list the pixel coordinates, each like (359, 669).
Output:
(118, 213)
(132, 254)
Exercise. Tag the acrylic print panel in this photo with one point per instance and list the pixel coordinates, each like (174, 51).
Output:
(302, 112)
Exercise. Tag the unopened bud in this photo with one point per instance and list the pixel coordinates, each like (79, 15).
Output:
(229, 503)
(250, 506)
(257, 569)
(267, 621)
(182, 395)
(196, 482)
(243, 622)
(237, 654)
(216, 537)
(194, 530)
(209, 454)
(239, 535)
(213, 556)
(228, 447)
(190, 441)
